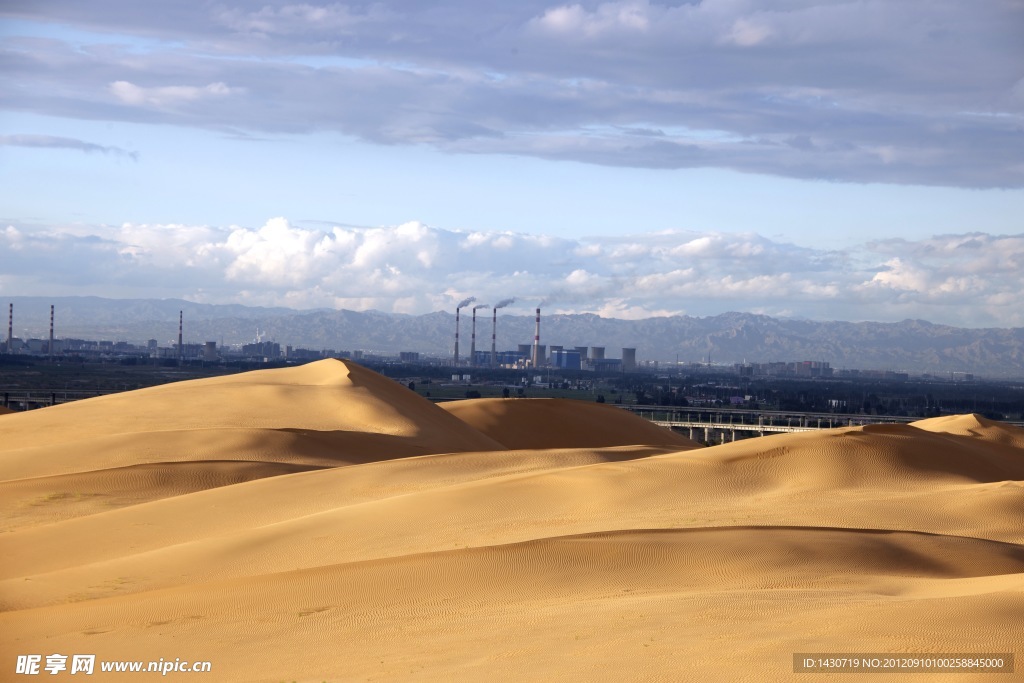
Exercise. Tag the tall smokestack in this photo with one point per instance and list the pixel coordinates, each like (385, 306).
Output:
(456, 337)
(472, 350)
(10, 330)
(462, 304)
(181, 320)
(536, 342)
(494, 328)
(50, 347)
(472, 343)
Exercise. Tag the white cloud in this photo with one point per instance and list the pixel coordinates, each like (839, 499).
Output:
(168, 95)
(967, 279)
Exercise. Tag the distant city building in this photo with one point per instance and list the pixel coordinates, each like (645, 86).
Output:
(606, 365)
(264, 349)
(566, 360)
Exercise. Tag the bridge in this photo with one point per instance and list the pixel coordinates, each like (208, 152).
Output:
(28, 400)
(720, 422)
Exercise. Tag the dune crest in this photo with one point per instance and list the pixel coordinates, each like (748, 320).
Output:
(325, 413)
(325, 523)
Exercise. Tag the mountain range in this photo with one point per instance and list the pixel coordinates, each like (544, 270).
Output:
(910, 345)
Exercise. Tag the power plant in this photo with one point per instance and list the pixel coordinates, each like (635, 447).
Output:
(526, 355)
(536, 355)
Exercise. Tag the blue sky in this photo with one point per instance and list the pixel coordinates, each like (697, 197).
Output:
(832, 160)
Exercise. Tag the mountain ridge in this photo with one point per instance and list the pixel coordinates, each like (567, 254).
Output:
(912, 345)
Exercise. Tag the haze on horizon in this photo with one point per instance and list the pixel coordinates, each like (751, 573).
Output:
(856, 160)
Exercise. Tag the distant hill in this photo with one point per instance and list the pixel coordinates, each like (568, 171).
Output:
(910, 345)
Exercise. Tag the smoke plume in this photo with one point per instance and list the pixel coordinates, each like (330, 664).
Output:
(481, 306)
(505, 302)
(466, 302)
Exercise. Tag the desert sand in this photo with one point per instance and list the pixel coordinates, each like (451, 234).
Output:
(324, 523)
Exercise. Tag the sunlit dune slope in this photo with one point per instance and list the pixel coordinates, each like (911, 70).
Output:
(321, 414)
(728, 604)
(859, 478)
(634, 556)
(5, 411)
(561, 423)
(975, 426)
(41, 500)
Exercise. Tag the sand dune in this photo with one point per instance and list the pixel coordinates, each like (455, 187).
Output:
(560, 423)
(320, 414)
(506, 540)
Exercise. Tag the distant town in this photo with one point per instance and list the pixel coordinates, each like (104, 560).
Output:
(583, 359)
(36, 372)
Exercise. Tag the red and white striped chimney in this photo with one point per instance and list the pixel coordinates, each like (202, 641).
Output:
(494, 337)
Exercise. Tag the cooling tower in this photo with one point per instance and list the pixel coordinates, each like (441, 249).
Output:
(628, 359)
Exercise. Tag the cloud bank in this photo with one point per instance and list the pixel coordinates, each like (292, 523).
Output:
(967, 279)
(921, 91)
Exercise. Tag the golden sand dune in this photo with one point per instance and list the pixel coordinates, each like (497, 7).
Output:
(41, 500)
(5, 411)
(630, 555)
(560, 423)
(321, 414)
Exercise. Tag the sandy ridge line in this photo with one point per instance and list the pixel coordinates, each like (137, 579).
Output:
(1009, 555)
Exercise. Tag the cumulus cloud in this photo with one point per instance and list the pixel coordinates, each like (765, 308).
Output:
(966, 279)
(917, 92)
(973, 270)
